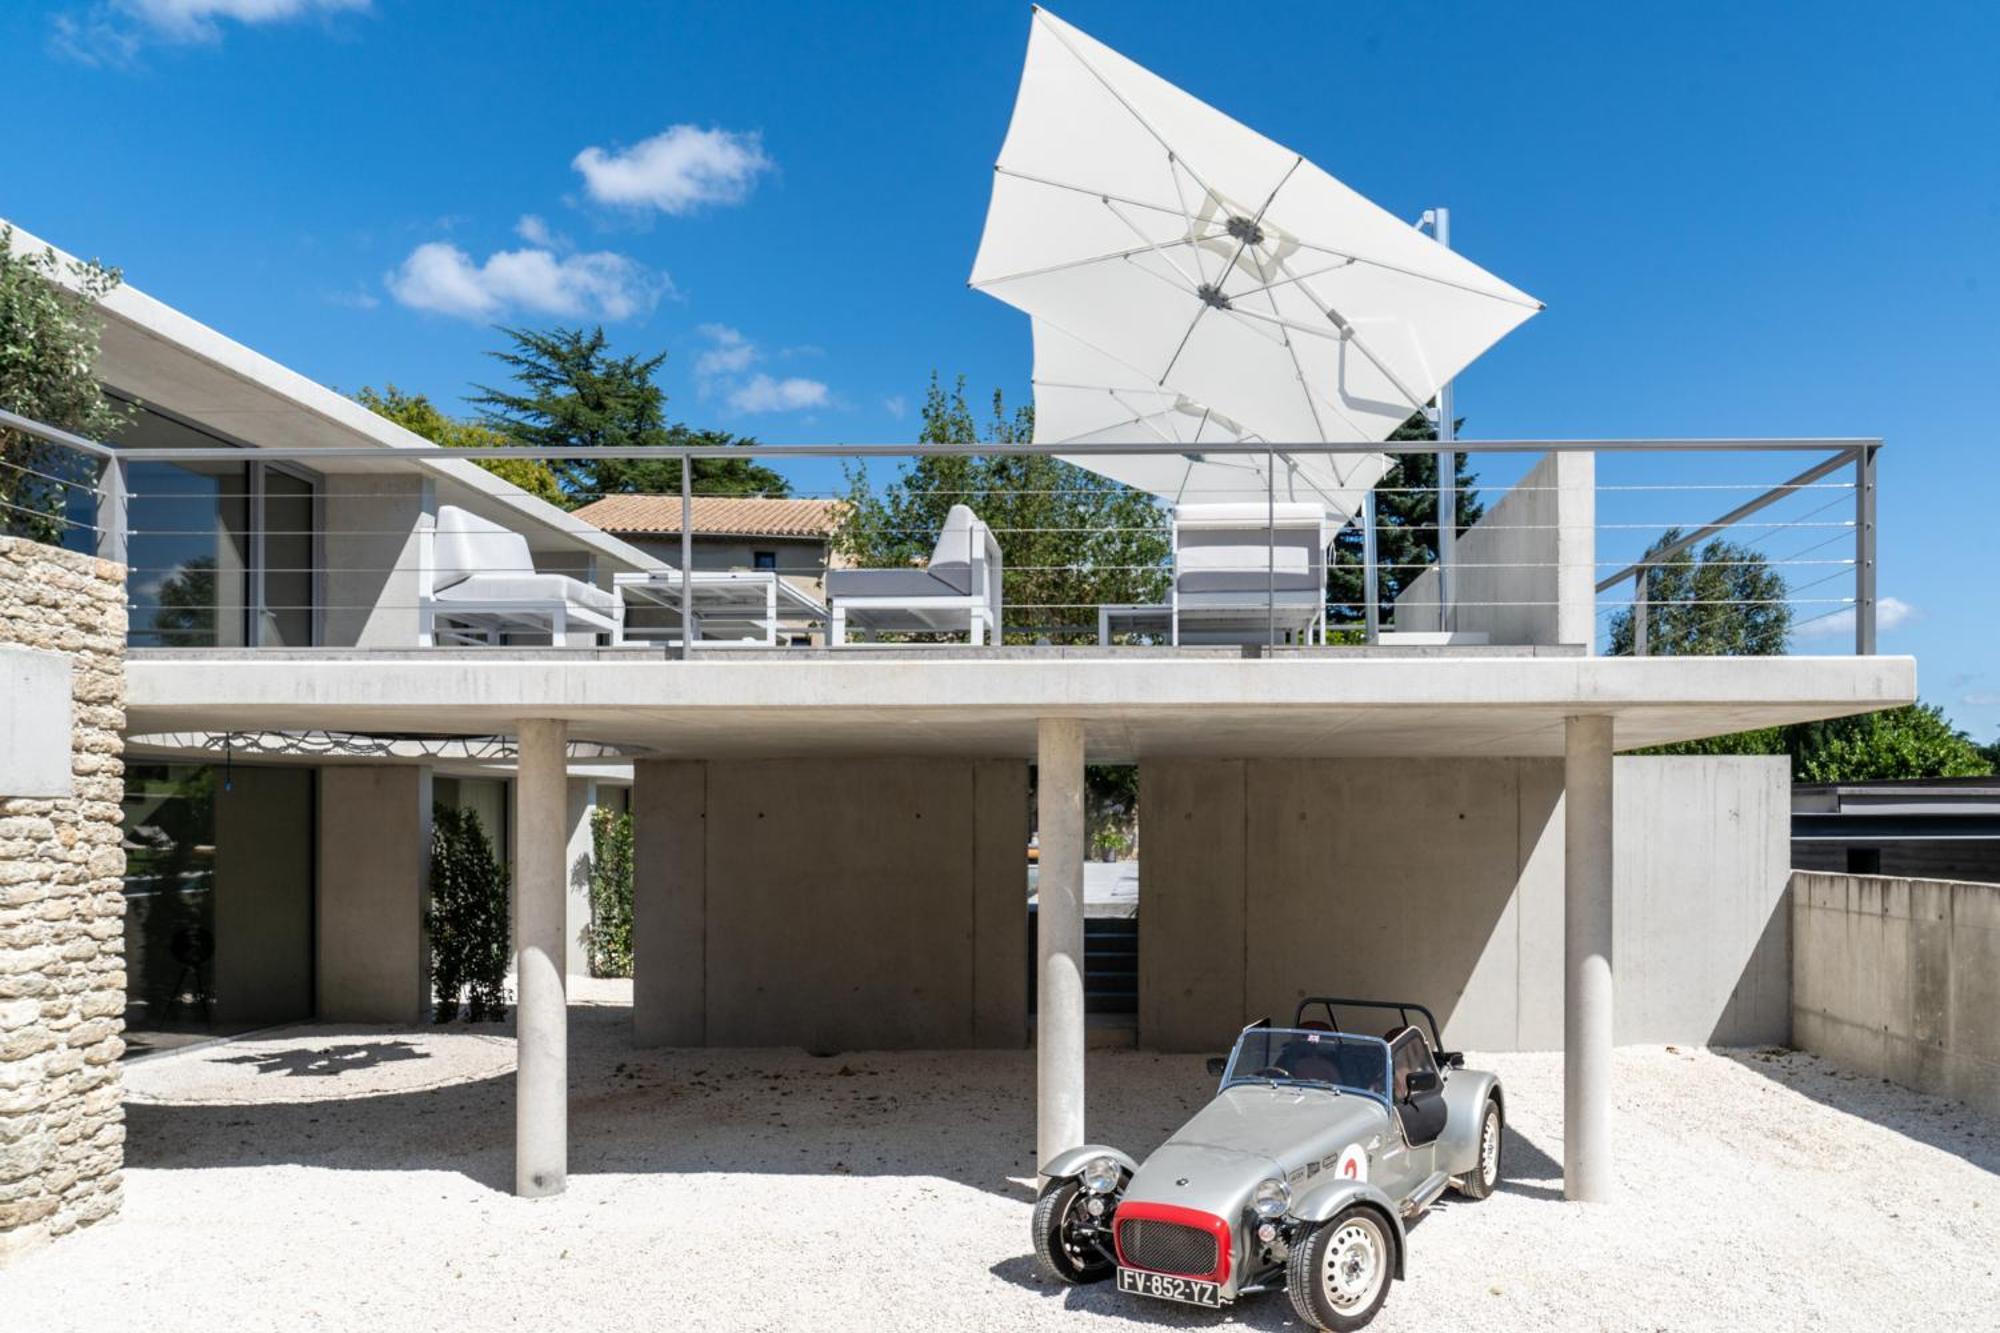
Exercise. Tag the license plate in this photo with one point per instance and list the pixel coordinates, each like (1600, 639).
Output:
(1187, 1290)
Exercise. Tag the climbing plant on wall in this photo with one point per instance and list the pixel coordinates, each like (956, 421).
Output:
(609, 935)
(467, 919)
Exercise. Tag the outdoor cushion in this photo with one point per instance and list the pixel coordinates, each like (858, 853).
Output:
(891, 583)
(480, 588)
(466, 544)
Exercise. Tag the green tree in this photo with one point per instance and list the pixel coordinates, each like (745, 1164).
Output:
(417, 414)
(48, 356)
(608, 937)
(1406, 527)
(467, 918)
(1722, 600)
(1913, 742)
(571, 392)
(1070, 539)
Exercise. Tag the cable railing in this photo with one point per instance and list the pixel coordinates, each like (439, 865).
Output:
(1578, 549)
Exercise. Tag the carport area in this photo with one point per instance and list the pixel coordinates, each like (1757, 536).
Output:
(742, 828)
(355, 1178)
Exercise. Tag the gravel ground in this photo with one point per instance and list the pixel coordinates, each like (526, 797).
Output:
(355, 1179)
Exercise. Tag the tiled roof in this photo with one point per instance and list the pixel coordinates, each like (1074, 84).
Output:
(714, 515)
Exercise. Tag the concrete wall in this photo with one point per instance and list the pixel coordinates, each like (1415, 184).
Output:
(374, 855)
(62, 911)
(1900, 979)
(831, 904)
(1441, 881)
(1526, 572)
(373, 521)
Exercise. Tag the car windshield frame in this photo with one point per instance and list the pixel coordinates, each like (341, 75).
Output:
(1254, 1046)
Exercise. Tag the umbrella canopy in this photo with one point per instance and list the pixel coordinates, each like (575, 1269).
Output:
(1093, 400)
(1213, 261)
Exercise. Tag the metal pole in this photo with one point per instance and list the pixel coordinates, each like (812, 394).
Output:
(687, 556)
(1864, 551)
(1371, 594)
(1639, 609)
(113, 518)
(1271, 547)
(1447, 466)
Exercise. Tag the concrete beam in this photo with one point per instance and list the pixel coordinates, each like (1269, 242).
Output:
(1587, 940)
(541, 1016)
(1059, 1015)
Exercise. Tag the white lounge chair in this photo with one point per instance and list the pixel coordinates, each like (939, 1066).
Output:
(958, 590)
(479, 584)
(1242, 570)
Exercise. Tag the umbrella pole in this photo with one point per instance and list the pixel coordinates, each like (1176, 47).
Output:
(1271, 547)
(1447, 468)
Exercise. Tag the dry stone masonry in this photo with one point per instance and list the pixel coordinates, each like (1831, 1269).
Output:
(62, 916)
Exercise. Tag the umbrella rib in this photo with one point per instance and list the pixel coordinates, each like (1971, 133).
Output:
(1305, 385)
(1130, 110)
(1081, 189)
(1160, 249)
(1353, 335)
(1243, 241)
(1200, 310)
(1047, 269)
(1385, 265)
(1292, 278)
(1180, 196)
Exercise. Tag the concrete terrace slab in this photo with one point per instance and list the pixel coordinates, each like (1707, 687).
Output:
(1134, 704)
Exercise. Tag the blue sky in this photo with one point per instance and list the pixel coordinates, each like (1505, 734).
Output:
(1745, 219)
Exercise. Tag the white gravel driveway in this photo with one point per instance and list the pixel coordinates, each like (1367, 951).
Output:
(320, 1179)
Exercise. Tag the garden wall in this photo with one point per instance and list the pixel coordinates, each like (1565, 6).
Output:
(62, 914)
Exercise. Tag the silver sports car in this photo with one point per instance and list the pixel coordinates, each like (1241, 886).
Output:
(1319, 1145)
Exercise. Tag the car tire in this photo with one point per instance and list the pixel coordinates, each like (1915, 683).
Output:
(1339, 1275)
(1057, 1257)
(1484, 1177)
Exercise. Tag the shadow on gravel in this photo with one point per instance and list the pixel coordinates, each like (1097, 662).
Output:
(965, 1117)
(1936, 1122)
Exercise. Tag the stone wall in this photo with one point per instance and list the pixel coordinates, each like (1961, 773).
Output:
(1899, 979)
(62, 916)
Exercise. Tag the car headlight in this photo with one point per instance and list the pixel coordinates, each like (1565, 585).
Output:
(1100, 1174)
(1271, 1199)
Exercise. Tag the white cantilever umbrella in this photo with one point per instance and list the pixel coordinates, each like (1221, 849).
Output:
(1148, 224)
(1094, 401)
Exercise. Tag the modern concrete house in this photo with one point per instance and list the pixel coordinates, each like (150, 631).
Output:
(830, 841)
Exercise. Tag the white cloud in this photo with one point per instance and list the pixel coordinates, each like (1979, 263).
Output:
(896, 405)
(720, 368)
(731, 354)
(761, 393)
(1890, 613)
(677, 170)
(532, 229)
(438, 276)
(1982, 699)
(110, 32)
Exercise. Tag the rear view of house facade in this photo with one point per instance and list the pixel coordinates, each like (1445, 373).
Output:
(275, 649)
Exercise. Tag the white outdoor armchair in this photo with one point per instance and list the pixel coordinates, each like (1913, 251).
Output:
(1242, 570)
(958, 590)
(478, 583)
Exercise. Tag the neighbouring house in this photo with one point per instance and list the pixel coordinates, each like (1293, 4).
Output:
(829, 843)
(792, 537)
(1924, 828)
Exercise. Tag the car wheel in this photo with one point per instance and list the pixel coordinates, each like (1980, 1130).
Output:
(1339, 1278)
(1484, 1177)
(1066, 1238)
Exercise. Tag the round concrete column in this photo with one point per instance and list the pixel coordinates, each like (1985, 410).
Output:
(541, 1016)
(1059, 1020)
(1587, 989)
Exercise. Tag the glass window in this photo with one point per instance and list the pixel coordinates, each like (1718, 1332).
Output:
(218, 900)
(289, 520)
(763, 559)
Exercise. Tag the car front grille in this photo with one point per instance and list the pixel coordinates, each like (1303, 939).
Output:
(1167, 1247)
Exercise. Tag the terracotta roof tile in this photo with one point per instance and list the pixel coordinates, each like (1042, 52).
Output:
(714, 515)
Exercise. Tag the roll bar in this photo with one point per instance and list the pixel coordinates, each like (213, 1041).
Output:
(1402, 1008)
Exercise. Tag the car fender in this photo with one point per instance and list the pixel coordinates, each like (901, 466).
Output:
(1465, 1094)
(1328, 1200)
(1071, 1161)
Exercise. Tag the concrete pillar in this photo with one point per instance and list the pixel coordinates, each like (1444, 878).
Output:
(1059, 1017)
(1587, 990)
(541, 1017)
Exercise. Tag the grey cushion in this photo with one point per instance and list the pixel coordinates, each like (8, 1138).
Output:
(892, 583)
(1245, 581)
(528, 588)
